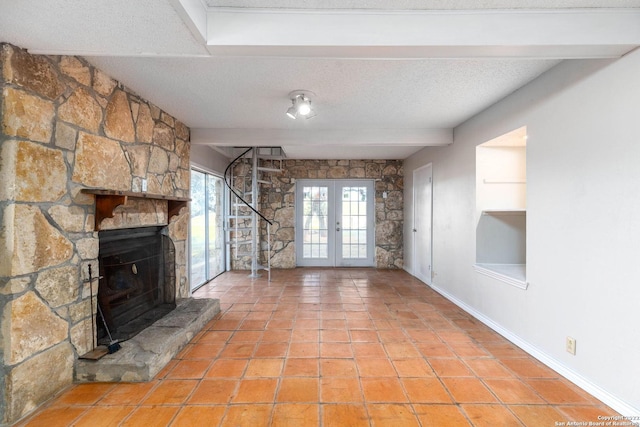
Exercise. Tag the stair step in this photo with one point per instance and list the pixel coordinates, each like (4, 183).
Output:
(262, 181)
(238, 242)
(244, 254)
(240, 228)
(262, 267)
(239, 216)
(263, 169)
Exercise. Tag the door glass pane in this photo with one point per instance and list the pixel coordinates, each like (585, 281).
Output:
(198, 238)
(354, 222)
(215, 225)
(315, 229)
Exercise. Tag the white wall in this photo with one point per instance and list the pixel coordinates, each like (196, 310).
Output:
(583, 223)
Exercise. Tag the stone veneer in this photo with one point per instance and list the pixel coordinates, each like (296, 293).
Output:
(65, 126)
(277, 203)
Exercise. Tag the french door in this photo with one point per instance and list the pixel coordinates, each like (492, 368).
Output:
(335, 223)
(206, 233)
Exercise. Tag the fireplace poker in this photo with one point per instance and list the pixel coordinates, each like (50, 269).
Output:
(96, 352)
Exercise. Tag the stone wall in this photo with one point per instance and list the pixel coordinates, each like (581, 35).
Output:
(65, 126)
(278, 205)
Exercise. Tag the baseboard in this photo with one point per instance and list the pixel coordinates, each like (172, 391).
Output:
(607, 398)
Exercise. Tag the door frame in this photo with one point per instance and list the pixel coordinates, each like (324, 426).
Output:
(334, 258)
(420, 235)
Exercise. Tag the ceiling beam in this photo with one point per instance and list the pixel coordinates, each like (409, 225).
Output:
(565, 33)
(322, 137)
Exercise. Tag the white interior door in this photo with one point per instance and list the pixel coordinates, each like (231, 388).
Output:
(422, 216)
(335, 223)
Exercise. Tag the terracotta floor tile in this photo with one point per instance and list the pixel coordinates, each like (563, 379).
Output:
(189, 369)
(335, 350)
(376, 367)
(338, 324)
(164, 371)
(104, 416)
(253, 325)
(280, 324)
(467, 349)
(528, 368)
(450, 368)
(256, 390)
(435, 349)
(441, 415)
(151, 416)
(402, 351)
(340, 390)
(361, 324)
(305, 335)
(491, 416)
(344, 415)
(301, 367)
(422, 335)
(246, 336)
(227, 368)
(264, 368)
(172, 392)
(538, 415)
(305, 349)
(368, 349)
(247, 415)
(295, 414)
(272, 349)
(557, 392)
(127, 393)
(425, 390)
(203, 351)
(392, 415)
(489, 368)
(392, 336)
(211, 392)
(307, 324)
(334, 335)
(276, 335)
(413, 368)
(363, 336)
(216, 337)
(190, 416)
(240, 350)
(296, 389)
(382, 390)
(513, 391)
(468, 390)
(85, 394)
(338, 368)
(58, 416)
(504, 349)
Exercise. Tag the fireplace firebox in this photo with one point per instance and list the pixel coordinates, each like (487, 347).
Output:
(137, 280)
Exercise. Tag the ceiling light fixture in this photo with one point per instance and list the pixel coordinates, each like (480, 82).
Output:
(301, 104)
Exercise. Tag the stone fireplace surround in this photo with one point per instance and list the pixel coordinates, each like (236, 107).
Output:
(65, 126)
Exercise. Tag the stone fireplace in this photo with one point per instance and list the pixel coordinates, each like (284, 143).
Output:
(65, 128)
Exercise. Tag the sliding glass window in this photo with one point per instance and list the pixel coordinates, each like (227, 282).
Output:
(206, 234)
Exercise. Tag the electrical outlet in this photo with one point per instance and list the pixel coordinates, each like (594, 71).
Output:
(144, 184)
(571, 345)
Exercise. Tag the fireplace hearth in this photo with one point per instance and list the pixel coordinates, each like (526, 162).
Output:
(137, 280)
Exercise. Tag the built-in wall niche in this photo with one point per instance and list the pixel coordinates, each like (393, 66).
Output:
(501, 193)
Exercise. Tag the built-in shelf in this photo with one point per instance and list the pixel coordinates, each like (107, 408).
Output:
(513, 274)
(108, 200)
(497, 212)
(504, 181)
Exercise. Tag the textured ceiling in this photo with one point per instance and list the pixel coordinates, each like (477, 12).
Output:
(375, 98)
(424, 4)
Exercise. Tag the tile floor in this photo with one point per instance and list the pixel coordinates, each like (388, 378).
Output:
(334, 347)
